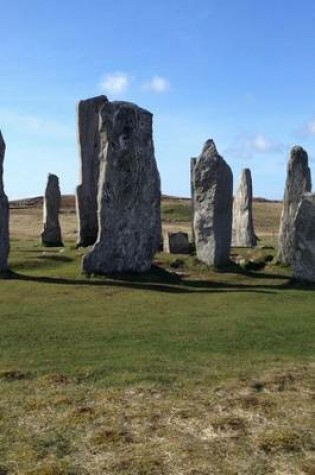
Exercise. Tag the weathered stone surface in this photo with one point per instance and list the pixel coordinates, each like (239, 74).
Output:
(129, 192)
(4, 214)
(193, 161)
(303, 255)
(51, 235)
(213, 201)
(243, 234)
(298, 181)
(89, 149)
(176, 243)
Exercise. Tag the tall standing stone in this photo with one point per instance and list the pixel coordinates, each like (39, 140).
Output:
(213, 185)
(243, 234)
(298, 181)
(129, 192)
(51, 235)
(303, 255)
(89, 149)
(4, 214)
(193, 161)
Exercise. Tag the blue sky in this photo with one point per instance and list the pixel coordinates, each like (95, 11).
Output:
(238, 71)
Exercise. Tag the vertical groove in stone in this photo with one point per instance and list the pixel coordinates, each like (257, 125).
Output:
(89, 148)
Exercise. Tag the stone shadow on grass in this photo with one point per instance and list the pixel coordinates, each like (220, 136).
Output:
(161, 280)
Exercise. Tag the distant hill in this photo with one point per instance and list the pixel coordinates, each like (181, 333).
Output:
(68, 201)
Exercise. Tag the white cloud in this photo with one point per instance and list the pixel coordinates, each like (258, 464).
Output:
(114, 83)
(262, 144)
(249, 145)
(157, 84)
(308, 129)
(34, 124)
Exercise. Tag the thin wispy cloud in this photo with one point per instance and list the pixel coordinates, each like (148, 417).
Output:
(249, 145)
(115, 83)
(157, 84)
(307, 130)
(34, 124)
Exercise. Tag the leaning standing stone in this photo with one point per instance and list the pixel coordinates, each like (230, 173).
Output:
(213, 198)
(298, 181)
(89, 148)
(51, 235)
(129, 192)
(303, 255)
(243, 234)
(4, 215)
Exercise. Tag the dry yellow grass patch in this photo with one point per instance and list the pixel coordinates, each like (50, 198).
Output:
(27, 224)
(243, 427)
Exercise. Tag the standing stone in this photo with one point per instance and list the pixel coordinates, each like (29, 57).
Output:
(243, 234)
(176, 243)
(4, 215)
(51, 235)
(213, 185)
(89, 148)
(303, 255)
(193, 161)
(298, 181)
(129, 192)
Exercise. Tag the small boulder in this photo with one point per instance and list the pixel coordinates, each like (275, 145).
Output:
(176, 243)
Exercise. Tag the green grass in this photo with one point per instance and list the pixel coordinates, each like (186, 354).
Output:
(149, 328)
(73, 348)
(176, 211)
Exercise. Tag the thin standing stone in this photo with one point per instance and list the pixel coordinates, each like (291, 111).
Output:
(303, 256)
(4, 214)
(298, 181)
(213, 192)
(243, 234)
(193, 161)
(51, 235)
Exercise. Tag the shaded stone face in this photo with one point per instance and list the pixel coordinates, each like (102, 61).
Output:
(51, 235)
(4, 215)
(89, 149)
(129, 193)
(303, 255)
(243, 234)
(176, 243)
(193, 161)
(298, 181)
(213, 198)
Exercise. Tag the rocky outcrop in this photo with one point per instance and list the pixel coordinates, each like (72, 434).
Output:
(4, 214)
(243, 234)
(298, 181)
(213, 199)
(89, 148)
(129, 192)
(303, 255)
(51, 235)
(176, 243)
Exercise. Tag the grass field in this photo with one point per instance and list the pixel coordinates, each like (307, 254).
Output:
(182, 370)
